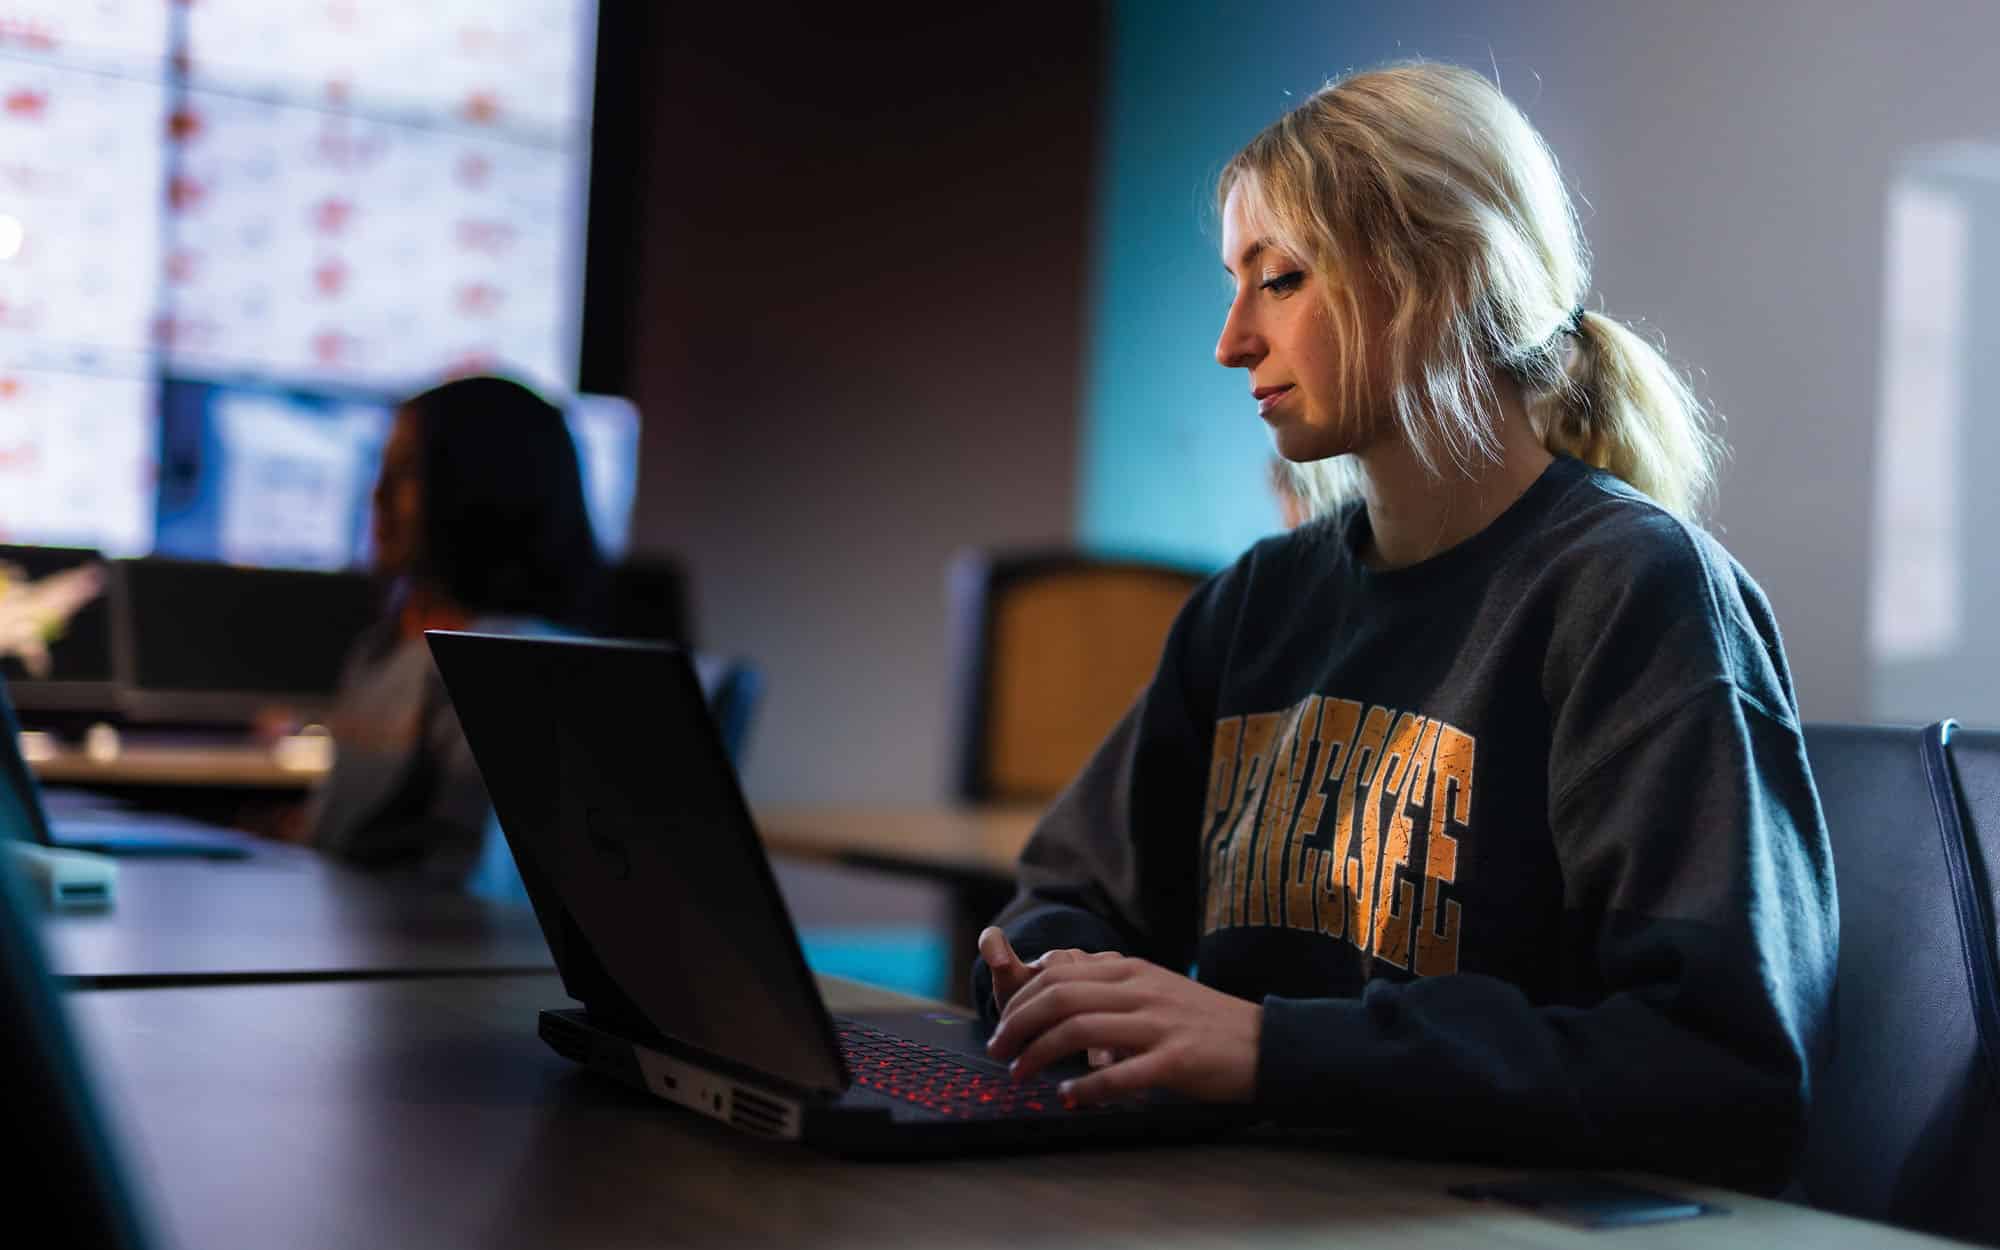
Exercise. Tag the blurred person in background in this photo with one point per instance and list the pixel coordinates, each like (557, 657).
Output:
(1479, 802)
(479, 523)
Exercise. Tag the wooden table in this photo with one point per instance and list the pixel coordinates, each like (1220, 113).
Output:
(225, 783)
(285, 913)
(970, 850)
(940, 840)
(426, 1113)
(227, 766)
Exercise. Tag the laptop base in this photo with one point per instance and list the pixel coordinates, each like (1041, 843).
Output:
(860, 1123)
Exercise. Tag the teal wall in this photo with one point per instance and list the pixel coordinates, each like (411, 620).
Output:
(1174, 454)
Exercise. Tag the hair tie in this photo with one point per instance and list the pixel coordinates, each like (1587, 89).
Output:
(1575, 325)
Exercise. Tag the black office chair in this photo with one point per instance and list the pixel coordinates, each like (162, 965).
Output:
(646, 597)
(734, 687)
(1905, 1121)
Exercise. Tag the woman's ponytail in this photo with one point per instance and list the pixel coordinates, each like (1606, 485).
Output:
(1622, 408)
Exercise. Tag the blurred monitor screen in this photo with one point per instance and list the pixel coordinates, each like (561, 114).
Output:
(217, 643)
(257, 475)
(250, 473)
(77, 452)
(606, 431)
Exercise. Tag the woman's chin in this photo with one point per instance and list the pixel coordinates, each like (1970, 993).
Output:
(1303, 444)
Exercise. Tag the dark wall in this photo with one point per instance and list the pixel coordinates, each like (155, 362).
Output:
(857, 341)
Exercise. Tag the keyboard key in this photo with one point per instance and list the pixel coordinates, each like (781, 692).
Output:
(942, 1081)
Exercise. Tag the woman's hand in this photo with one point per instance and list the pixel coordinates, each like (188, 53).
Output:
(1010, 974)
(1167, 1031)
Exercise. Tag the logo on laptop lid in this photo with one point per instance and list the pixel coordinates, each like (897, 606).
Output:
(609, 848)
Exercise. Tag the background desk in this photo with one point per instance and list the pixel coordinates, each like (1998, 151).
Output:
(241, 784)
(936, 840)
(286, 913)
(426, 1113)
(969, 850)
(229, 766)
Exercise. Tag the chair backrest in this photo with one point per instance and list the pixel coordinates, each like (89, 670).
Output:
(1051, 648)
(734, 687)
(646, 597)
(1905, 1120)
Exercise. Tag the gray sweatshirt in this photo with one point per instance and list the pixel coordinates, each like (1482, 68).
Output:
(1518, 846)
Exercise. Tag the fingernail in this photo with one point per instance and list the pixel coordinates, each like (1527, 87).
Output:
(1014, 1071)
(1068, 1091)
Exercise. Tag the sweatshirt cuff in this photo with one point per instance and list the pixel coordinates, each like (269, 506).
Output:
(1304, 1052)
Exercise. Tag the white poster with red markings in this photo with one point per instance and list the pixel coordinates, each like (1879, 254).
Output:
(518, 67)
(315, 246)
(81, 167)
(77, 460)
(377, 194)
(125, 35)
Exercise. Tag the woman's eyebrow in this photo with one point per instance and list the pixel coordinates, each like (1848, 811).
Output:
(1249, 254)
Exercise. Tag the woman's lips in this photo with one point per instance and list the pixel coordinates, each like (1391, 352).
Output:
(1267, 397)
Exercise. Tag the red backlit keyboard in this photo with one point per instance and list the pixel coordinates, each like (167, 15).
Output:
(942, 1081)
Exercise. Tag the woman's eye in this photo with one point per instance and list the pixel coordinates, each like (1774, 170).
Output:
(1284, 283)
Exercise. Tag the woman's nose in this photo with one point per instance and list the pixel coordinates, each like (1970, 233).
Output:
(1239, 347)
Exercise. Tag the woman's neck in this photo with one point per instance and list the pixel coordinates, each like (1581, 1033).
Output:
(1414, 516)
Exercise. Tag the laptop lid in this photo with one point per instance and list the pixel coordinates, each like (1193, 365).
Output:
(22, 816)
(637, 849)
(62, 1165)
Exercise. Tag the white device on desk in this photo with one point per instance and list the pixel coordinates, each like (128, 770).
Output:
(60, 878)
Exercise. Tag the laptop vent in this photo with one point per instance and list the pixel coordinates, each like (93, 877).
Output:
(755, 1113)
(566, 1039)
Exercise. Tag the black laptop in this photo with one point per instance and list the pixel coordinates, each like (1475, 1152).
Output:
(64, 1175)
(639, 856)
(93, 825)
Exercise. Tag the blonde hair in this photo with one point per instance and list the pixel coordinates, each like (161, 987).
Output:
(1423, 182)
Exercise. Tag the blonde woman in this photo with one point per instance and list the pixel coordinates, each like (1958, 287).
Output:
(1479, 801)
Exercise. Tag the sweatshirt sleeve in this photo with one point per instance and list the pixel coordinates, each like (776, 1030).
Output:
(1699, 938)
(1114, 863)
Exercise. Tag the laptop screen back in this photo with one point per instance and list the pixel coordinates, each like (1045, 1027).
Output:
(61, 1170)
(637, 849)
